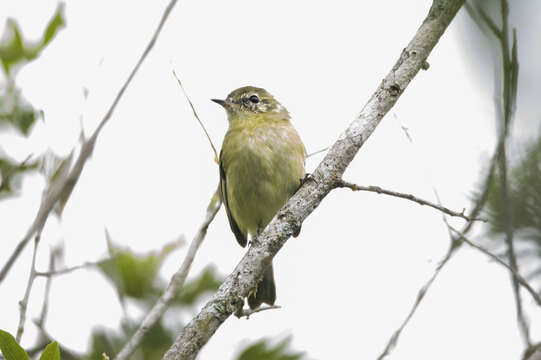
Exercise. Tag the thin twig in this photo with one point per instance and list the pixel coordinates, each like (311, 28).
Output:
(87, 264)
(519, 277)
(45, 304)
(70, 181)
(176, 283)
(23, 304)
(248, 312)
(317, 152)
(379, 190)
(420, 296)
(197, 116)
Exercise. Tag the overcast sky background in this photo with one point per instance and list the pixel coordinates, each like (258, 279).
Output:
(349, 279)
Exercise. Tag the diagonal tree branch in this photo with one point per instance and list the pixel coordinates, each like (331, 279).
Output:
(230, 296)
(66, 185)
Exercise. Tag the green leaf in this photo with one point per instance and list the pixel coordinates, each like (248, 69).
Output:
(10, 349)
(23, 117)
(10, 174)
(133, 275)
(16, 111)
(15, 50)
(51, 352)
(56, 23)
(263, 350)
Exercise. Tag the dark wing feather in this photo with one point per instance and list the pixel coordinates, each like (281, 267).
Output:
(241, 238)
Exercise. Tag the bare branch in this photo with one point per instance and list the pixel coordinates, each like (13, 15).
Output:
(45, 304)
(176, 283)
(23, 304)
(377, 189)
(197, 116)
(317, 152)
(67, 184)
(519, 277)
(87, 264)
(289, 219)
(248, 312)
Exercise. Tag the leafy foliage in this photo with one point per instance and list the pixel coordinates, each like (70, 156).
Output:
(10, 349)
(263, 350)
(10, 172)
(15, 111)
(13, 351)
(524, 197)
(132, 275)
(16, 50)
(51, 352)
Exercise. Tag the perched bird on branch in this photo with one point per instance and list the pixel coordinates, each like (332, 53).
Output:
(261, 166)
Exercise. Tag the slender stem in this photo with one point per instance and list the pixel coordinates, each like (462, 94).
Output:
(51, 273)
(23, 304)
(379, 190)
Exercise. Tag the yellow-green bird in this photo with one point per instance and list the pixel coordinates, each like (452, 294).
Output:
(261, 166)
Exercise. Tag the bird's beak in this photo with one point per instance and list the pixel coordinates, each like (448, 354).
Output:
(224, 103)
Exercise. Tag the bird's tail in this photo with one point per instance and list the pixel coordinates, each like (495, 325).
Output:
(265, 292)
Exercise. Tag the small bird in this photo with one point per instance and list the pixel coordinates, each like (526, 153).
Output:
(261, 167)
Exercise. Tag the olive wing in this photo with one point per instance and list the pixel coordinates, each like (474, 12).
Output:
(241, 238)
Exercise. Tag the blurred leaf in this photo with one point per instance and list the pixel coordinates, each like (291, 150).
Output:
(15, 50)
(56, 23)
(16, 111)
(207, 281)
(524, 197)
(134, 275)
(154, 344)
(23, 117)
(103, 341)
(263, 350)
(10, 171)
(12, 49)
(51, 352)
(10, 349)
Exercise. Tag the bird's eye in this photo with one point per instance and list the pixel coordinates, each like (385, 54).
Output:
(254, 98)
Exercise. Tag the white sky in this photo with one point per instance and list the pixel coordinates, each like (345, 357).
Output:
(349, 279)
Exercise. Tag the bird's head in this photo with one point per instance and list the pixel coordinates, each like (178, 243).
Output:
(250, 101)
